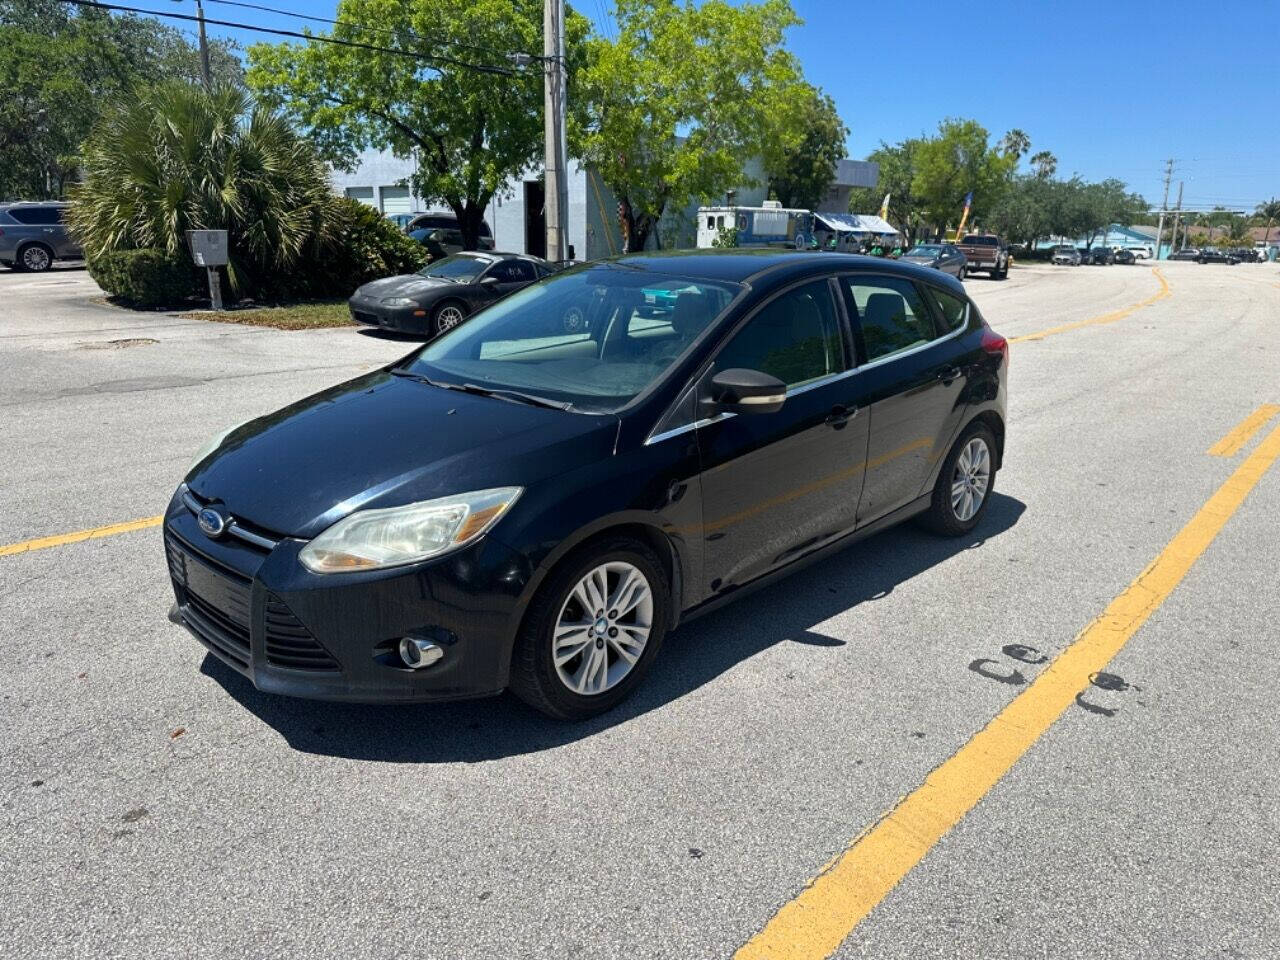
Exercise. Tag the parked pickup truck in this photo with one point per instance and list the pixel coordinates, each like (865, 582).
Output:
(986, 251)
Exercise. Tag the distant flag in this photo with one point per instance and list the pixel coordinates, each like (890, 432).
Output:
(964, 217)
(884, 208)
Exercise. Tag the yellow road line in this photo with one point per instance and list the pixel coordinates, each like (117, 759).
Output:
(1231, 444)
(816, 922)
(1106, 317)
(26, 546)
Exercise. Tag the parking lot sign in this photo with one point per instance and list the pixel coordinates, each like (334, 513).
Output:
(209, 250)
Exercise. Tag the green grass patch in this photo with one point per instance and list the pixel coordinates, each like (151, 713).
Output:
(298, 316)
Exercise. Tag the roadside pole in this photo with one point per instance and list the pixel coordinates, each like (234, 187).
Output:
(1177, 216)
(204, 48)
(1164, 206)
(556, 193)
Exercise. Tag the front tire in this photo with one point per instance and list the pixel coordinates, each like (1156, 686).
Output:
(963, 491)
(446, 316)
(592, 631)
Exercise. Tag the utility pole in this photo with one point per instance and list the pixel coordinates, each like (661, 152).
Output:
(204, 48)
(1177, 216)
(1164, 206)
(554, 103)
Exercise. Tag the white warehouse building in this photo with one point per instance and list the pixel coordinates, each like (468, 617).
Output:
(517, 218)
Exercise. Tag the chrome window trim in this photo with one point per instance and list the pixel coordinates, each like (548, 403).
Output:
(880, 361)
(791, 392)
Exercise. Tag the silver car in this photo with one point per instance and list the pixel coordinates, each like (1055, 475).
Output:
(33, 236)
(941, 256)
(1066, 254)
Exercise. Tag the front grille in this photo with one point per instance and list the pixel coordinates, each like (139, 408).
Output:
(215, 600)
(289, 643)
(361, 316)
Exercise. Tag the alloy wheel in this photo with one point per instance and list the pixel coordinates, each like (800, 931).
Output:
(602, 629)
(35, 259)
(971, 479)
(448, 318)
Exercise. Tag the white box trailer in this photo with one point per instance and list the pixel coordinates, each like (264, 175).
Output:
(770, 225)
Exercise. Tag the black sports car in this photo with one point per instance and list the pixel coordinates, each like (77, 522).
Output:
(443, 294)
(1122, 255)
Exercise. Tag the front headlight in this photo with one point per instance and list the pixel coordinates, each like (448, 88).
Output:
(215, 443)
(373, 539)
(398, 302)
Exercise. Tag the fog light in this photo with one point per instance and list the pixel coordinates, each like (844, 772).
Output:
(418, 653)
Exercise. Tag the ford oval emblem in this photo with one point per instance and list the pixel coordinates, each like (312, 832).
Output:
(211, 522)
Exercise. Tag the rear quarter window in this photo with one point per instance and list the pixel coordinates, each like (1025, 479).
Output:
(953, 310)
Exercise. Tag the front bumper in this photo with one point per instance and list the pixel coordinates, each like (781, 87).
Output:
(372, 313)
(335, 637)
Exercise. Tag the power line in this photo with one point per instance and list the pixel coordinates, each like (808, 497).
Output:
(433, 59)
(382, 31)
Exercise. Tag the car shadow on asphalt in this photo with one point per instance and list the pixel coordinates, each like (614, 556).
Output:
(698, 652)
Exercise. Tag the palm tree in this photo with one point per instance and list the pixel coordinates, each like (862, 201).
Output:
(1270, 210)
(1014, 143)
(178, 157)
(1045, 164)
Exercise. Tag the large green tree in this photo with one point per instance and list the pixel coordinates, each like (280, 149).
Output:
(960, 160)
(469, 120)
(60, 66)
(897, 173)
(804, 142)
(1268, 212)
(675, 103)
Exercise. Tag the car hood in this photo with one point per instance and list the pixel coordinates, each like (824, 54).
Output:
(927, 261)
(382, 441)
(409, 285)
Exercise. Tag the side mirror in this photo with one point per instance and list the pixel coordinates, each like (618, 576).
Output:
(489, 281)
(746, 391)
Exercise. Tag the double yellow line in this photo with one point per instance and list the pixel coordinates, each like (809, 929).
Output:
(814, 924)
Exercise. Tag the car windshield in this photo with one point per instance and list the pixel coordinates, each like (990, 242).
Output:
(593, 337)
(925, 250)
(457, 267)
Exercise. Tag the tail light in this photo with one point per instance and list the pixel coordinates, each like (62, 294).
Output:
(993, 343)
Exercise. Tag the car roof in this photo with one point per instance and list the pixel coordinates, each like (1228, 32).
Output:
(747, 266)
(7, 204)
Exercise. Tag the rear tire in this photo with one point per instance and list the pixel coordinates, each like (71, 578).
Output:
(34, 258)
(548, 632)
(969, 471)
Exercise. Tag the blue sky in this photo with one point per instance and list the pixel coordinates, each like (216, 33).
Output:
(1111, 88)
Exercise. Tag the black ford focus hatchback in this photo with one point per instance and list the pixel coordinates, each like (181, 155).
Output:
(532, 503)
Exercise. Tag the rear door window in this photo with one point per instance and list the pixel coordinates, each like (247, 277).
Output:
(891, 315)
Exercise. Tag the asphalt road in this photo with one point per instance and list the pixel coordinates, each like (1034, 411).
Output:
(152, 804)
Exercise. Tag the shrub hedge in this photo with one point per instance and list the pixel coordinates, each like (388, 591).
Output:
(362, 245)
(146, 278)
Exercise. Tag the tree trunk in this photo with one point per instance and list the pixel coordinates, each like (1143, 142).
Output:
(470, 215)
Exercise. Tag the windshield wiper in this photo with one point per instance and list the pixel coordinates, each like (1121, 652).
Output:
(514, 396)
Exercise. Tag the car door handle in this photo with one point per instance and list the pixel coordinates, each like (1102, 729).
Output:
(946, 376)
(841, 415)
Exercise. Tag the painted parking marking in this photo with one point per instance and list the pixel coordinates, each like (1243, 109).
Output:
(817, 921)
(1112, 317)
(1243, 432)
(94, 533)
